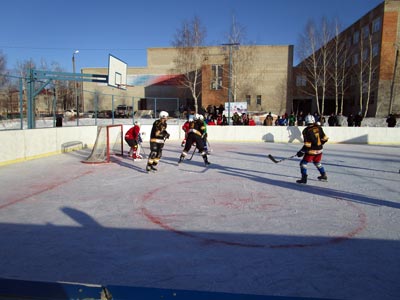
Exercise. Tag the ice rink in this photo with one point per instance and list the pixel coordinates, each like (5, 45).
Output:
(240, 225)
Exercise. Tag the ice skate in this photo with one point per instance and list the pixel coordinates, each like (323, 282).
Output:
(323, 177)
(182, 157)
(151, 168)
(206, 162)
(137, 157)
(303, 179)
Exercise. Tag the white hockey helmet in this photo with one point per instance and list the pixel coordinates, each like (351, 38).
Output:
(163, 114)
(196, 117)
(309, 120)
(137, 123)
(201, 117)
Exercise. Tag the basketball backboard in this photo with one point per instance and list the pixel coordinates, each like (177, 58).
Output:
(116, 72)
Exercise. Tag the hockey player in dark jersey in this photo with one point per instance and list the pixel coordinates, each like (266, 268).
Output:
(204, 135)
(314, 139)
(195, 135)
(158, 136)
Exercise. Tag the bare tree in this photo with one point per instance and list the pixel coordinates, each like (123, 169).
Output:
(326, 59)
(343, 74)
(235, 62)
(2, 68)
(22, 69)
(307, 49)
(316, 54)
(370, 69)
(189, 42)
(364, 69)
(61, 89)
(339, 72)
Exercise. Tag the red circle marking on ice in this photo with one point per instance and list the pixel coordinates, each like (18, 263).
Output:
(162, 221)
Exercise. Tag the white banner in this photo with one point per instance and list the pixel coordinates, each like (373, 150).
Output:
(239, 107)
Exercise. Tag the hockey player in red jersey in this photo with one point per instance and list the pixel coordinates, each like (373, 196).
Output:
(185, 128)
(134, 140)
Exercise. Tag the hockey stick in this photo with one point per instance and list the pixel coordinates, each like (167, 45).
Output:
(209, 146)
(192, 153)
(278, 161)
(142, 150)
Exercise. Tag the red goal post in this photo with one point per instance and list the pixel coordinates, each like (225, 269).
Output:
(109, 142)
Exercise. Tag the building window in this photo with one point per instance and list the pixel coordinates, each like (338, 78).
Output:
(216, 77)
(375, 49)
(348, 42)
(374, 75)
(365, 54)
(376, 25)
(353, 80)
(365, 32)
(258, 99)
(356, 37)
(301, 80)
(248, 99)
(355, 59)
(372, 98)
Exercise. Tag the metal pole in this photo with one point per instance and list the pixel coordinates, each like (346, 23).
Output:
(31, 106)
(112, 109)
(133, 110)
(230, 85)
(230, 79)
(155, 108)
(393, 81)
(21, 104)
(75, 89)
(96, 108)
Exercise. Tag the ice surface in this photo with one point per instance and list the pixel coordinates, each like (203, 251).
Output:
(241, 225)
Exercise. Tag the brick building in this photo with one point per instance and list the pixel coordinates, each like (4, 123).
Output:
(369, 56)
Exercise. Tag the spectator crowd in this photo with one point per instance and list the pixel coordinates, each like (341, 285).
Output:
(214, 115)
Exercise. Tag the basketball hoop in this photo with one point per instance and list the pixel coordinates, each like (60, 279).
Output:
(123, 86)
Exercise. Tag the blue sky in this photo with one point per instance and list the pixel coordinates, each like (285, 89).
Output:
(52, 30)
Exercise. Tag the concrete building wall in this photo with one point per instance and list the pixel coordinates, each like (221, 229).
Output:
(258, 71)
(261, 71)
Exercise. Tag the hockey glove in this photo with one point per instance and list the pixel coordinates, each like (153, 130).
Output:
(300, 154)
(166, 136)
(140, 139)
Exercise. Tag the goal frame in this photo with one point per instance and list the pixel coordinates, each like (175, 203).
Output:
(108, 144)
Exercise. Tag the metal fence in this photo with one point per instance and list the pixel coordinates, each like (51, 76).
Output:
(95, 108)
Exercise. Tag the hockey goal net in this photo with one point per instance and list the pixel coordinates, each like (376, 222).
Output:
(109, 142)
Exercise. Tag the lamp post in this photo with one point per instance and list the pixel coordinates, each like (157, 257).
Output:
(392, 87)
(230, 79)
(75, 89)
